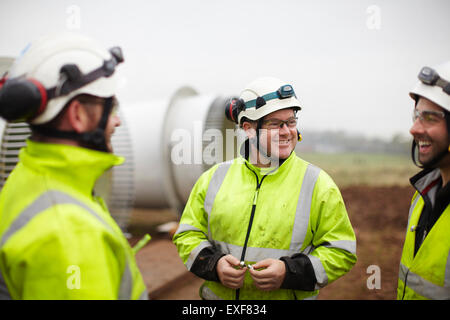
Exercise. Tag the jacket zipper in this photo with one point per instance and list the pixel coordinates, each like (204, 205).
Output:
(252, 215)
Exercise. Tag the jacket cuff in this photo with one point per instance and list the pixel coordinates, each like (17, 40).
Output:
(299, 273)
(204, 265)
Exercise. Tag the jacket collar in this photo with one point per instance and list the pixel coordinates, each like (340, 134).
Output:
(428, 182)
(245, 153)
(76, 166)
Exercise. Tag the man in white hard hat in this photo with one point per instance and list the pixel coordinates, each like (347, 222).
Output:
(267, 225)
(425, 264)
(57, 238)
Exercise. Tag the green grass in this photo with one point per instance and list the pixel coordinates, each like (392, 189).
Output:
(371, 169)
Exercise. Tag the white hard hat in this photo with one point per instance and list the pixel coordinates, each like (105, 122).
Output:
(42, 60)
(266, 95)
(434, 85)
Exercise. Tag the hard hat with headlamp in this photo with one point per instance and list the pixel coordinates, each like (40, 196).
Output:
(261, 97)
(434, 85)
(50, 73)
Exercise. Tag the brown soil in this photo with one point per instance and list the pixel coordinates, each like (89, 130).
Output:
(378, 215)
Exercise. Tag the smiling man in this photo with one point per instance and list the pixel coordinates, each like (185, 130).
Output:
(267, 225)
(425, 264)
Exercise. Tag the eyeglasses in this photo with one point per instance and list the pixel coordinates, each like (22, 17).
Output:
(115, 106)
(428, 117)
(430, 77)
(278, 124)
(283, 92)
(90, 100)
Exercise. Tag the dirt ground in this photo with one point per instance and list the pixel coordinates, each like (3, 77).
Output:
(378, 215)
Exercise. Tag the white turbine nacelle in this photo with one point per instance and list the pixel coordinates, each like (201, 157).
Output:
(169, 144)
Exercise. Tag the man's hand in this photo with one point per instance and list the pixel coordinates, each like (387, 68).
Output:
(229, 276)
(271, 276)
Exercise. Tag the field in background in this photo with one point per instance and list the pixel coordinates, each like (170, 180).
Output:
(372, 169)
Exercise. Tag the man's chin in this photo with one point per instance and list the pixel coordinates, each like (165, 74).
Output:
(428, 162)
(284, 154)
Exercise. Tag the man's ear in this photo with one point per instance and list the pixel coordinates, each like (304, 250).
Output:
(77, 116)
(250, 129)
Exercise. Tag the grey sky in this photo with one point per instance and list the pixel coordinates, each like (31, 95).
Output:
(351, 70)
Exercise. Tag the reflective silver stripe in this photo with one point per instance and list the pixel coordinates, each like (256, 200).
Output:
(54, 197)
(447, 272)
(312, 297)
(4, 293)
(308, 249)
(424, 287)
(253, 253)
(257, 254)
(144, 295)
(126, 284)
(301, 226)
(186, 227)
(304, 207)
(213, 188)
(319, 271)
(207, 294)
(42, 203)
(347, 245)
(194, 253)
(402, 272)
(411, 209)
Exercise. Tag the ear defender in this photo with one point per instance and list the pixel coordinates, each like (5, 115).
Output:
(299, 136)
(22, 99)
(232, 109)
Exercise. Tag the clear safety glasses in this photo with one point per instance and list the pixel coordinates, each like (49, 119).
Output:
(427, 117)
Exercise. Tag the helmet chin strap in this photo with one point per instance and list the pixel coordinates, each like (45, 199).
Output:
(95, 139)
(263, 152)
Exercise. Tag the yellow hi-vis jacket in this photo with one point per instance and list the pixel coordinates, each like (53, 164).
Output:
(425, 275)
(57, 240)
(297, 209)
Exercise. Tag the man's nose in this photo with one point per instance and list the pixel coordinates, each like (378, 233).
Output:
(284, 129)
(117, 121)
(417, 127)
